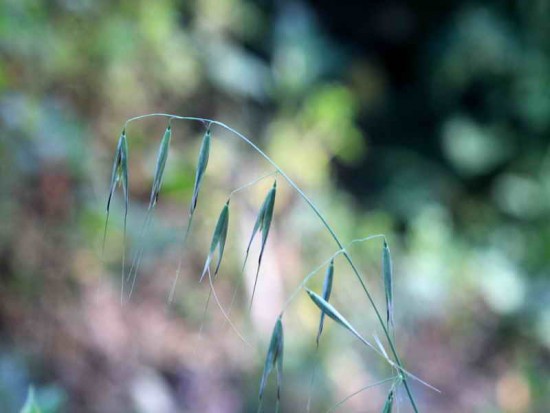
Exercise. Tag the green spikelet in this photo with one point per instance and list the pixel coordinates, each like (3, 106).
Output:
(202, 163)
(218, 240)
(274, 358)
(262, 224)
(327, 289)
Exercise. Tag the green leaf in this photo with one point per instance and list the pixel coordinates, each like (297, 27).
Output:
(274, 357)
(159, 169)
(202, 163)
(30, 405)
(218, 239)
(388, 283)
(327, 289)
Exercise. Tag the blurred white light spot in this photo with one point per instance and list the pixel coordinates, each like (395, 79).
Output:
(501, 284)
(472, 149)
(519, 196)
(150, 394)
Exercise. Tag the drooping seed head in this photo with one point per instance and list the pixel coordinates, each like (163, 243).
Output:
(159, 168)
(202, 163)
(124, 166)
(329, 310)
(268, 214)
(120, 167)
(263, 224)
(119, 174)
(388, 282)
(218, 239)
(327, 289)
(274, 358)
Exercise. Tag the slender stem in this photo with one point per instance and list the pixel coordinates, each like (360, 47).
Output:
(370, 386)
(254, 182)
(359, 240)
(180, 262)
(315, 210)
(219, 304)
(386, 332)
(139, 253)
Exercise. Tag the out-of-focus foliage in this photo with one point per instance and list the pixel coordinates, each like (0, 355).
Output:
(429, 123)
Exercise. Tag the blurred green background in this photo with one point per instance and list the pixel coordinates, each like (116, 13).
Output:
(424, 121)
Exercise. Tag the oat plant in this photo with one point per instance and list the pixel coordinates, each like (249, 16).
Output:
(262, 225)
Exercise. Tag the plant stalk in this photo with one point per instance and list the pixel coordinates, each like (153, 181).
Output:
(319, 215)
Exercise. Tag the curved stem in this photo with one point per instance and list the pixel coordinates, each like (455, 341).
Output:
(219, 304)
(178, 270)
(254, 182)
(370, 386)
(370, 237)
(315, 210)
